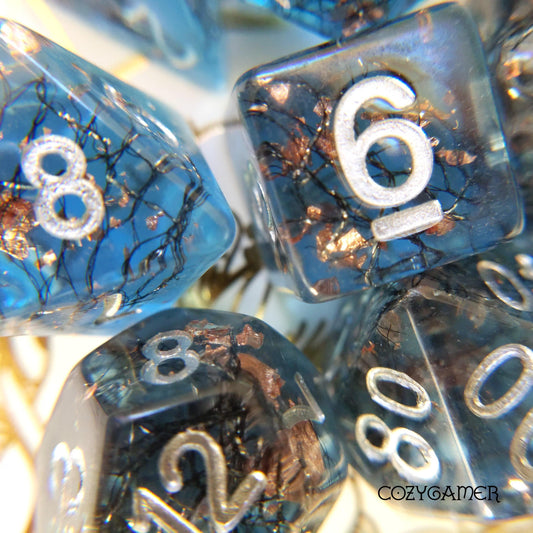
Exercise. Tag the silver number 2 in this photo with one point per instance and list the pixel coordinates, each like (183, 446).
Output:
(352, 155)
(224, 514)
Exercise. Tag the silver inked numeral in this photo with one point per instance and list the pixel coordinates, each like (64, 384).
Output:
(67, 483)
(389, 449)
(148, 509)
(519, 448)
(70, 182)
(488, 270)
(353, 152)
(508, 401)
(423, 404)
(154, 350)
(393, 439)
(301, 413)
(224, 513)
(485, 369)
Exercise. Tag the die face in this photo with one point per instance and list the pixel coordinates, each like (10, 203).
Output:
(225, 385)
(345, 196)
(107, 203)
(435, 391)
(68, 471)
(241, 281)
(491, 15)
(501, 278)
(184, 33)
(332, 18)
(496, 16)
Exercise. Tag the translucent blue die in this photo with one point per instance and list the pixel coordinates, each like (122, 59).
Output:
(334, 18)
(378, 157)
(183, 33)
(433, 382)
(106, 205)
(190, 421)
(503, 277)
(510, 53)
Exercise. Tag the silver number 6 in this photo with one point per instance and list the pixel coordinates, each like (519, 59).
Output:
(352, 155)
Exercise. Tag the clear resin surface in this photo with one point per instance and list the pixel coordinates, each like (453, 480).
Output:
(434, 379)
(191, 421)
(510, 53)
(185, 34)
(378, 157)
(337, 18)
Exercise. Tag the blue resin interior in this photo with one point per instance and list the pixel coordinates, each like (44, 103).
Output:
(165, 221)
(287, 108)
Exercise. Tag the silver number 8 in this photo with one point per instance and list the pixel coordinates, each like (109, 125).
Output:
(157, 354)
(53, 187)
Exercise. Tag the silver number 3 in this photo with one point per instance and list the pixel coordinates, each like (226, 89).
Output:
(352, 155)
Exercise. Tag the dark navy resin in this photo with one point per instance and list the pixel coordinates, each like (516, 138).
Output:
(230, 378)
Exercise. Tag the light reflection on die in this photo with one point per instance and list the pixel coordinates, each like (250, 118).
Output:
(185, 35)
(117, 452)
(377, 157)
(435, 380)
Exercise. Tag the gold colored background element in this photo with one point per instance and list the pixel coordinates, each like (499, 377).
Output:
(44, 12)
(21, 423)
(24, 362)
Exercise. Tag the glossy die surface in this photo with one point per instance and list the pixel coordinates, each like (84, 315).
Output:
(435, 381)
(503, 277)
(184, 33)
(490, 15)
(117, 454)
(105, 205)
(337, 18)
(510, 53)
(379, 157)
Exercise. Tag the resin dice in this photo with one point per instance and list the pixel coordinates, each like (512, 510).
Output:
(510, 53)
(490, 15)
(433, 382)
(190, 421)
(337, 18)
(106, 206)
(378, 157)
(183, 33)
(503, 277)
